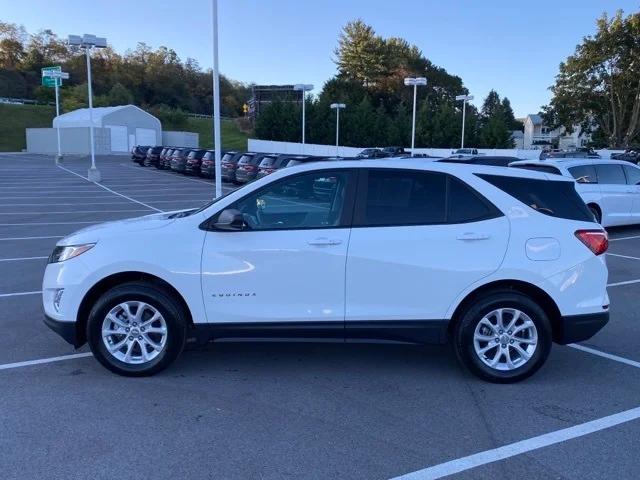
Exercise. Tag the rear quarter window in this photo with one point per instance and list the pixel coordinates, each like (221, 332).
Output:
(553, 198)
(633, 175)
(584, 173)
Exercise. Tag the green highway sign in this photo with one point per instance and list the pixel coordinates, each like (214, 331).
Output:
(48, 81)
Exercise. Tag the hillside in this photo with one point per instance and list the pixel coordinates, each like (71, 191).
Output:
(15, 118)
(232, 138)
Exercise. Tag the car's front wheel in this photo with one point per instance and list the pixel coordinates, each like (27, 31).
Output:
(504, 337)
(136, 329)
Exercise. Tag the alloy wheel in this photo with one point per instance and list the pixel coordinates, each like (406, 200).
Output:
(505, 339)
(134, 332)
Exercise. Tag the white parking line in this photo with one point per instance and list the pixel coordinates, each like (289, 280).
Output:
(29, 238)
(160, 172)
(623, 256)
(19, 294)
(47, 204)
(78, 184)
(71, 211)
(524, 446)
(53, 197)
(609, 356)
(624, 238)
(40, 361)
(20, 259)
(112, 191)
(628, 282)
(44, 223)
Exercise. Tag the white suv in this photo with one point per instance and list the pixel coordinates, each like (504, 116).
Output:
(610, 188)
(501, 261)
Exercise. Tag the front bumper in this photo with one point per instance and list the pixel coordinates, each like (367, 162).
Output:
(66, 330)
(577, 328)
(192, 169)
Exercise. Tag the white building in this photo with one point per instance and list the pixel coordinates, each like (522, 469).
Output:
(537, 135)
(128, 125)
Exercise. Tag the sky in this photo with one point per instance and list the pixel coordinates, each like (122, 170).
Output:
(513, 47)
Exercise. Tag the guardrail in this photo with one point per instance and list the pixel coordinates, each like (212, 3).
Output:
(204, 115)
(23, 101)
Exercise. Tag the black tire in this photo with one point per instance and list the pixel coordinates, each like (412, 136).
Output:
(463, 336)
(596, 213)
(161, 300)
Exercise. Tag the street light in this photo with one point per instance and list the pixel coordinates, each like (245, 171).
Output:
(409, 81)
(88, 42)
(465, 99)
(303, 88)
(337, 107)
(216, 101)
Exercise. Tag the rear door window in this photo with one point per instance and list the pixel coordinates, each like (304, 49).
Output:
(396, 197)
(466, 205)
(410, 197)
(554, 198)
(633, 175)
(584, 173)
(611, 174)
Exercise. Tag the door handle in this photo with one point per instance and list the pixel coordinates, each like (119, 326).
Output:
(324, 241)
(473, 236)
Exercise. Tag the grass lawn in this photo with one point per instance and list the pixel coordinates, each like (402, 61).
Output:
(232, 138)
(15, 118)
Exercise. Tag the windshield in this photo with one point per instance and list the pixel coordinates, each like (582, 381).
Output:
(187, 213)
(246, 159)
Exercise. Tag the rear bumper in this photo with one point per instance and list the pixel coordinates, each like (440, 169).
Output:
(577, 328)
(66, 330)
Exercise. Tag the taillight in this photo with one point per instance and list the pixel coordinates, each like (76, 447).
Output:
(596, 240)
(251, 168)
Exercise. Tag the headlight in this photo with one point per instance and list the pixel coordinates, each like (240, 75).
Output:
(60, 254)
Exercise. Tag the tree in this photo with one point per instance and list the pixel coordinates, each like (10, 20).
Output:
(119, 95)
(598, 87)
(360, 53)
(495, 128)
(509, 117)
(12, 50)
(279, 121)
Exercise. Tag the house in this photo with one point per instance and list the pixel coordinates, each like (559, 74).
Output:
(537, 135)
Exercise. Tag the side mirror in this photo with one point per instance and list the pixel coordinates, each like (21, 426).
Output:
(230, 220)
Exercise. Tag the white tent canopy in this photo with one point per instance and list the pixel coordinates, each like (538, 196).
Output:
(80, 117)
(128, 125)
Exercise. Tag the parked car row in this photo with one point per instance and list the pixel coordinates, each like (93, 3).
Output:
(237, 167)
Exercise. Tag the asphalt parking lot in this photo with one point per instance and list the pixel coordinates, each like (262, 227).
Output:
(274, 411)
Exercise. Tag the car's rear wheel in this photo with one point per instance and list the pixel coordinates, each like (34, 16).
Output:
(504, 337)
(136, 329)
(596, 213)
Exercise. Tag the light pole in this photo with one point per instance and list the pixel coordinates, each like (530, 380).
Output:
(303, 88)
(465, 99)
(337, 107)
(409, 81)
(216, 101)
(88, 42)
